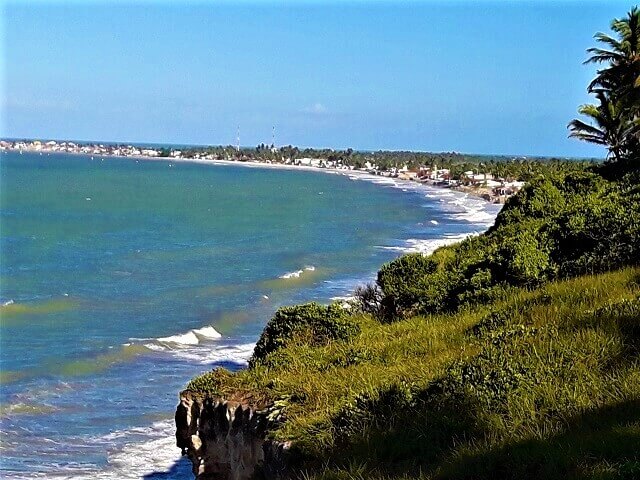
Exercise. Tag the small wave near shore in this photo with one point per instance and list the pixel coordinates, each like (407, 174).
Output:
(298, 273)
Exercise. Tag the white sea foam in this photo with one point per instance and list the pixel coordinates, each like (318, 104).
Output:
(238, 354)
(7, 303)
(200, 345)
(189, 338)
(154, 451)
(192, 337)
(476, 216)
(297, 273)
(207, 332)
(345, 300)
(461, 206)
(148, 450)
(427, 246)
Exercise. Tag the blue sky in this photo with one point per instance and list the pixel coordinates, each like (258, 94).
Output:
(477, 76)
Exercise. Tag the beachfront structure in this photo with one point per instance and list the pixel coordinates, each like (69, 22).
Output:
(310, 162)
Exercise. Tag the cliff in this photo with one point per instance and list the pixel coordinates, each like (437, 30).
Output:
(541, 384)
(226, 440)
(513, 354)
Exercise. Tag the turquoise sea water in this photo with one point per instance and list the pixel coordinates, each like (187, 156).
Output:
(117, 276)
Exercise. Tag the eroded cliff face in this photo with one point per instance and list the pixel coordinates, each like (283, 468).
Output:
(225, 440)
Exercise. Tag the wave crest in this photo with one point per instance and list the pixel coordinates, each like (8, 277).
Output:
(297, 273)
(192, 337)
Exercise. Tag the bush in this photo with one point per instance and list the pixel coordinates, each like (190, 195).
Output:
(561, 225)
(537, 200)
(598, 232)
(309, 323)
(405, 283)
(369, 299)
(524, 259)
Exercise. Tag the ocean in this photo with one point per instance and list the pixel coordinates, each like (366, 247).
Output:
(121, 279)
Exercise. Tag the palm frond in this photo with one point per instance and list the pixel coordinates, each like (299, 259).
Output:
(585, 128)
(599, 55)
(604, 38)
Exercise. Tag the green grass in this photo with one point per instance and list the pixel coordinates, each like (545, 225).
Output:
(545, 383)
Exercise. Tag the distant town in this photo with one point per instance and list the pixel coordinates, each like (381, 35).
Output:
(493, 178)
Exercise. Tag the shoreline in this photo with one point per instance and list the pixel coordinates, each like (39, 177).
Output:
(157, 431)
(275, 166)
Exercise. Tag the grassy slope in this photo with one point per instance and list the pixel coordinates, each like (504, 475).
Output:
(547, 384)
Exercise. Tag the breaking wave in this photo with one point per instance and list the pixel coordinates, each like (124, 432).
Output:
(427, 246)
(297, 273)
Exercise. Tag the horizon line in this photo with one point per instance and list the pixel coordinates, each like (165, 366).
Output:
(172, 144)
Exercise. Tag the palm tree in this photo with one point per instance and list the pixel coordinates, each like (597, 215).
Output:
(622, 75)
(611, 128)
(616, 120)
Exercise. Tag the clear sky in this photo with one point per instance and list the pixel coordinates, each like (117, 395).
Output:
(468, 76)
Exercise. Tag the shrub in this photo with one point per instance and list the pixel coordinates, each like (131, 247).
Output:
(523, 259)
(404, 283)
(539, 199)
(599, 232)
(561, 225)
(369, 299)
(310, 323)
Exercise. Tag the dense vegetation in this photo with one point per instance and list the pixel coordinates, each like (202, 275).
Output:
(513, 354)
(311, 323)
(510, 168)
(543, 383)
(557, 227)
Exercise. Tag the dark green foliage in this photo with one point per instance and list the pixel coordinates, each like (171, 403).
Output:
(537, 200)
(523, 258)
(310, 323)
(557, 227)
(405, 284)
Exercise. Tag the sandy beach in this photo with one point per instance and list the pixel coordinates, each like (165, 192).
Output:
(475, 192)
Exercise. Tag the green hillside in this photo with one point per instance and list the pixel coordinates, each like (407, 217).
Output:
(514, 354)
